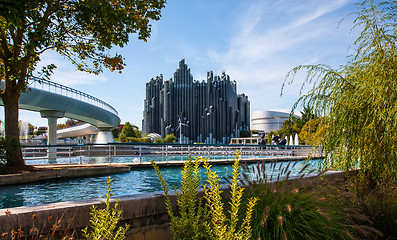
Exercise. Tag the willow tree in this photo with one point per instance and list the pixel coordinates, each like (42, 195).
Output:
(83, 31)
(359, 99)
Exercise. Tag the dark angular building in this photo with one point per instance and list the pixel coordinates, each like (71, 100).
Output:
(208, 111)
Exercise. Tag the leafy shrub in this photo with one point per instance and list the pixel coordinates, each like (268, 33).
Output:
(170, 138)
(199, 219)
(189, 222)
(115, 132)
(292, 209)
(104, 221)
(220, 226)
(123, 138)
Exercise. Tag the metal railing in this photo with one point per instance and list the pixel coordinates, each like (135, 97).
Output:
(141, 152)
(45, 85)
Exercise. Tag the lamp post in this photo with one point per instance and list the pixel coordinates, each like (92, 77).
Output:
(208, 112)
(166, 128)
(180, 128)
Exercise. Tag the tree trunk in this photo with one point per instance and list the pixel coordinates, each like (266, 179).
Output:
(11, 113)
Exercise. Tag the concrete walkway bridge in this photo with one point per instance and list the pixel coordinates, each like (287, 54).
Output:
(54, 101)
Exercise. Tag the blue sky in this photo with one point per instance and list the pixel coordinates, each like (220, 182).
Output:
(255, 42)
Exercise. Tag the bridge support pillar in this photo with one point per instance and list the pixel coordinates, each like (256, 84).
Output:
(88, 138)
(52, 117)
(104, 135)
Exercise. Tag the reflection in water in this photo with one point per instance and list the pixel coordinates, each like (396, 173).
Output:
(133, 182)
(11, 196)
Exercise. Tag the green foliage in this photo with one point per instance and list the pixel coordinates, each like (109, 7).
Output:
(104, 221)
(289, 128)
(198, 219)
(220, 226)
(39, 132)
(381, 206)
(115, 132)
(189, 223)
(306, 115)
(131, 133)
(295, 124)
(254, 132)
(128, 130)
(81, 31)
(170, 138)
(123, 138)
(312, 132)
(358, 99)
(73, 29)
(289, 209)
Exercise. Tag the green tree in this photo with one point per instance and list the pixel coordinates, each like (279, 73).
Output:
(306, 115)
(81, 31)
(115, 132)
(128, 130)
(289, 127)
(137, 132)
(311, 133)
(358, 99)
(170, 138)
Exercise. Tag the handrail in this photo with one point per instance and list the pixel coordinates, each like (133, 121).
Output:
(142, 152)
(69, 92)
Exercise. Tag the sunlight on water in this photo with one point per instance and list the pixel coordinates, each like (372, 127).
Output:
(134, 182)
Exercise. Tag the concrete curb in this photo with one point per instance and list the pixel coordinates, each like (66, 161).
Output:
(59, 172)
(146, 213)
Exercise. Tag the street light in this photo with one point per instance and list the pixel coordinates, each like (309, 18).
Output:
(167, 127)
(180, 128)
(208, 113)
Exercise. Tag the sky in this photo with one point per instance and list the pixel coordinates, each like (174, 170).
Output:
(256, 42)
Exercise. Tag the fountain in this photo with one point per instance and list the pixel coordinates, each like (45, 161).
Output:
(23, 130)
(296, 140)
(291, 140)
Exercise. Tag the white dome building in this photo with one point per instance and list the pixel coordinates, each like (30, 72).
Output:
(267, 121)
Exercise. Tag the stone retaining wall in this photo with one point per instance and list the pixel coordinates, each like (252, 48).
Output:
(146, 213)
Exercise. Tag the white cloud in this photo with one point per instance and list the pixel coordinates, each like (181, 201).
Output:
(66, 73)
(270, 39)
(74, 78)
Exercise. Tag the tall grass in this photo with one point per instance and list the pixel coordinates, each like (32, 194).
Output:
(293, 208)
(380, 205)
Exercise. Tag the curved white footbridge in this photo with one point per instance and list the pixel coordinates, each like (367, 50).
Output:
(55, 101)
